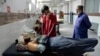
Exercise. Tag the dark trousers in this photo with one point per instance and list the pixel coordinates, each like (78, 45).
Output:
(72, 46)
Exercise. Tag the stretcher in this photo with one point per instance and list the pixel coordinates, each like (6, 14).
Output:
(11, 51)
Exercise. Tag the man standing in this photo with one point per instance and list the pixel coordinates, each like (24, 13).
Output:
(82, 24)
(49, 23)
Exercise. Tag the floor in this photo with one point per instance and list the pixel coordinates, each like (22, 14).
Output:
(67, 30)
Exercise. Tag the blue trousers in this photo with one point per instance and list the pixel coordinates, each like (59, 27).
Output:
(69, 45)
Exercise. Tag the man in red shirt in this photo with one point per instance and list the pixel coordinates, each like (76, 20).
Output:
(49, 22)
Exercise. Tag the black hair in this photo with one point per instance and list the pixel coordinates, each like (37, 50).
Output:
(45, 7)
(80, 7)
(42, 11)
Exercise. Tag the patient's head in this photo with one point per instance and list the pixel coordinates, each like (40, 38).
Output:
(25, 35)
(24, 38)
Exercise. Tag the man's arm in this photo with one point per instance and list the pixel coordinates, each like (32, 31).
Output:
(36, 47)
(54, 22)
(87, 21)
(51, 30)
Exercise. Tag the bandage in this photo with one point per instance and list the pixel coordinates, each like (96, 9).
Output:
(41, 48)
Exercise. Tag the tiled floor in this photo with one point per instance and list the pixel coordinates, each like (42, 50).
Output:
(67, 30)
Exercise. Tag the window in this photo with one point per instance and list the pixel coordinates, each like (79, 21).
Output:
(30, 6)
(33, 1)
(92, 6)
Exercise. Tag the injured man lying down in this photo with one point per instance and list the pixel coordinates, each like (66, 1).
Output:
(58, 44)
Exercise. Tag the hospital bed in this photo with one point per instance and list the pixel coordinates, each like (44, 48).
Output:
(11, 51)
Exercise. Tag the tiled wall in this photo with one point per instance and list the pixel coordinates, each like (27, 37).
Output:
(6, 18)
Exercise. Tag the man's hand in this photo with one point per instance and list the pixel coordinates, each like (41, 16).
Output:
(44, 36)
(43, 39)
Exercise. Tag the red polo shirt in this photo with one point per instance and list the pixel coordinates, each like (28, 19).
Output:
(49, 25)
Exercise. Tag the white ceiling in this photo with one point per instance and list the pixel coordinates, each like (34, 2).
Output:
(53, 3)
(50, 3)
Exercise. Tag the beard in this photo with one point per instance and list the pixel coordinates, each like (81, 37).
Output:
(27, 40)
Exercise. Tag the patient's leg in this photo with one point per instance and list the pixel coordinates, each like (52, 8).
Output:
(69, 45)
(86, 44)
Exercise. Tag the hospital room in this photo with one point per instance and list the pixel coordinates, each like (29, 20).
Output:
(49, 27)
